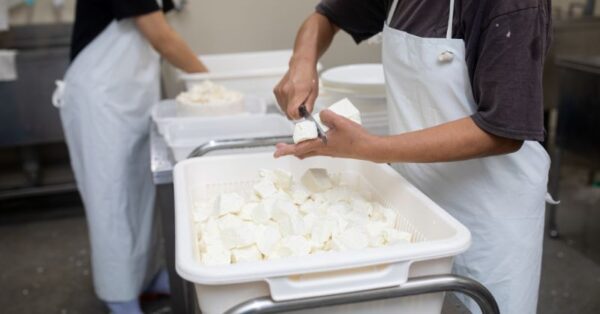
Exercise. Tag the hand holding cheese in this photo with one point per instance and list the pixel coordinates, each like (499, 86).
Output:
(283, 217)
(306, 130)
(345, 138)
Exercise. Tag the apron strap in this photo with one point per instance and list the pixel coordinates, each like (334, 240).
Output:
(450, 17)
(391, 12)
(450, 20)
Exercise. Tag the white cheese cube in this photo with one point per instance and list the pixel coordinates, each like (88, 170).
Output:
(393, 236)
(265, 188)
(357, 218)
(261, 214)
(354, 238)
(268, 237)
(280, 178)
(309, 206)
(338, 194)
(339, 208)
(216, 255)
(309, 221)
(321, 232)
(229, 203)
(236, 233)
(384, 214)
(344, 108)
(304, 131)
(286, 214)
(299, 194)
(210, 234)
(247, 254)
(375, 232)
(293, 225)
(283, 209)
(295, 246)
(316, 180)
(362, 206)
(246, 211)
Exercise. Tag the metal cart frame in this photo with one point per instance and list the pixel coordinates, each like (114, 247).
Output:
(183, 295)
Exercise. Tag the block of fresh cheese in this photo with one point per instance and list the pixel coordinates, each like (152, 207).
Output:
(344, 108)
(281, 217)
(306, 130)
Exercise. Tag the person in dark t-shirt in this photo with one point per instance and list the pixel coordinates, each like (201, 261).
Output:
(105, 101)
(465, 108)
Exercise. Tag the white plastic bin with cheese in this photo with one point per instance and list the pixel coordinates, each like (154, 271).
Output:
(437, 238)
(252, 73)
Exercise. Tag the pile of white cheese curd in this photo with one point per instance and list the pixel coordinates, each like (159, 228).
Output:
(209, 93)
(282, 217)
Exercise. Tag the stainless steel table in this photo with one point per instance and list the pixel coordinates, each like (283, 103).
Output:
(183, 297)
(162, 162)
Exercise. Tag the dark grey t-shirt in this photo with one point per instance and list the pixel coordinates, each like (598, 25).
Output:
(506, 42)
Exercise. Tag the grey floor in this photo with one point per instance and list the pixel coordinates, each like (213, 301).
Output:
(45, 265)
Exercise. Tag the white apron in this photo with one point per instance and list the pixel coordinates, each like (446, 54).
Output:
(105, 111)
(500, 199)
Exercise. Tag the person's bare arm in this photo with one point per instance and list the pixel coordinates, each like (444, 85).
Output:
(301, 80)
(168, 43)
(457, 140)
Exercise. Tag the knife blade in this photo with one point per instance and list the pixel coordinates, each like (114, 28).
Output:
(306, 115)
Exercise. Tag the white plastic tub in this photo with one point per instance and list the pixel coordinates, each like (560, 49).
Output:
(437, 238)
(184, 137)
(252, 73)
(165, 112)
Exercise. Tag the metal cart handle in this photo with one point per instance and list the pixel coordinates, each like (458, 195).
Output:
(239, 144)
(415, 286)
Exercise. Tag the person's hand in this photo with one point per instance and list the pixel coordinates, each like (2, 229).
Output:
(300, 83)
(345, 138)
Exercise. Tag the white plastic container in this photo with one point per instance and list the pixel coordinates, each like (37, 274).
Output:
(165, 112)
(437, 238)
(252, 73)
(184, 137)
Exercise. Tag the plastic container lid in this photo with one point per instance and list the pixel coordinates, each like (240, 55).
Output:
(355, 78)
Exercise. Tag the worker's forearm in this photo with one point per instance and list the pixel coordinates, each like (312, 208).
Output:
(457, 140)
(179, 54)
(167, 42)
(313, 39)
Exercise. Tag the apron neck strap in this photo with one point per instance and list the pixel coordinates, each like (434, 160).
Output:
(450, 17)
(450, 20)
(391, 12)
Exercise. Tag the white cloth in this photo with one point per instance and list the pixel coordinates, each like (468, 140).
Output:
(8, 65)
(105, 111)
(500, 199)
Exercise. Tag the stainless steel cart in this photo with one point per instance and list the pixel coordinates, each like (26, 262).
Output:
(182, 293)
